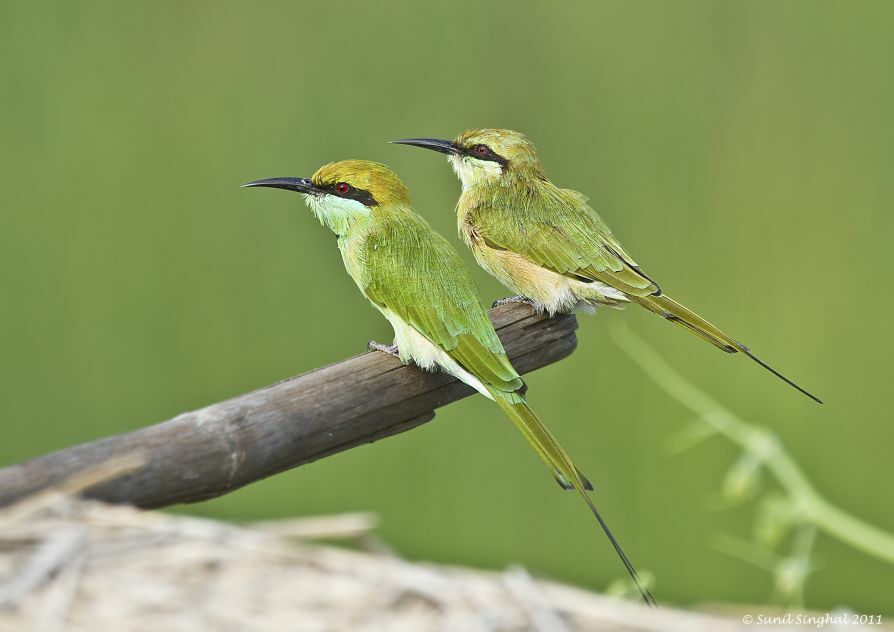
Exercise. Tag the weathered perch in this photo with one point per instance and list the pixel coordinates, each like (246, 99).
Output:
(214, 450)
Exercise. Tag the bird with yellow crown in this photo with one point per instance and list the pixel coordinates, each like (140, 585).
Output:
(418, 282)
(546, 243)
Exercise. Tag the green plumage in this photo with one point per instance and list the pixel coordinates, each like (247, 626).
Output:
(412, 271)
(417, 280)
(553, 228)
(546, 243)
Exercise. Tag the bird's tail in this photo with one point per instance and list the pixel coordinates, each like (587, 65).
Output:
(668, 308)
(566, 473)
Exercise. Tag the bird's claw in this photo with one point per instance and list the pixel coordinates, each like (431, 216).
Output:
(372, 345)
(513, 299)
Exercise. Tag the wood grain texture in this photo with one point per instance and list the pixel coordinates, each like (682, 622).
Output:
(215, 450)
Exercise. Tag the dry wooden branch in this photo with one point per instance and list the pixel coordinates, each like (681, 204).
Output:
(214, 450)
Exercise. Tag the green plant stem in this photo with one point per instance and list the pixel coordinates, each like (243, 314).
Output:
(811, 505)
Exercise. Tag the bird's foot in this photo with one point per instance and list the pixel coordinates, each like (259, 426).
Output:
(513, 299)
(372, 345)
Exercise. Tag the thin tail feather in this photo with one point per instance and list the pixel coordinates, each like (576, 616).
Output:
(747, 352)
(566, 473)
(670, 309)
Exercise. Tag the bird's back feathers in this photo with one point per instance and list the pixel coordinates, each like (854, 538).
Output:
(556, 230)
(412, 271)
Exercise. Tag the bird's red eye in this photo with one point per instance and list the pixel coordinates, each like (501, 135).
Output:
(481, 150)
(342, 187)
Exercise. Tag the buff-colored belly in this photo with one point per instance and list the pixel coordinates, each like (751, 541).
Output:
(552, 292)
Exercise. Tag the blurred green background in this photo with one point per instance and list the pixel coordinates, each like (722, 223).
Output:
(742, 151)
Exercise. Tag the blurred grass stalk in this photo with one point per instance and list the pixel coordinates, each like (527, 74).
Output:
(802, 507)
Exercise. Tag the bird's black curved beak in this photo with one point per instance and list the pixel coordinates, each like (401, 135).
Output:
(435, 144)
(299, 185)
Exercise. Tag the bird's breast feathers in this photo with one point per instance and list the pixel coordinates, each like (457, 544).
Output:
(551, 292)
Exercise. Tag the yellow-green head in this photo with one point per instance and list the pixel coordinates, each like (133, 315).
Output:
(342, 193)
(482, 156)
(371, 182)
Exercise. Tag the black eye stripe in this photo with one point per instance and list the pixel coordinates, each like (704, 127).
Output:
(364, 197)
(491, 155)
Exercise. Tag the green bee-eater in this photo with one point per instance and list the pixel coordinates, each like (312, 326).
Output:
(418, 282)
(547, 244)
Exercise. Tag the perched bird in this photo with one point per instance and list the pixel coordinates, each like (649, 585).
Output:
(546, 243)
(418, 282)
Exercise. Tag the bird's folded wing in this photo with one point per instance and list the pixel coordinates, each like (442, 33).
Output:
(559, 231)
(416, 274)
